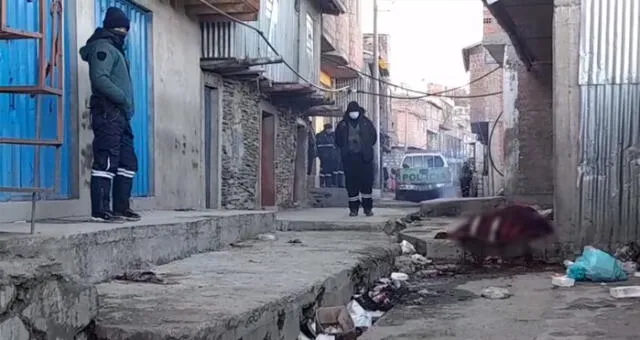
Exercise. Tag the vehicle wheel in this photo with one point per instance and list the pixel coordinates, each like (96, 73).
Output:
(400, 195)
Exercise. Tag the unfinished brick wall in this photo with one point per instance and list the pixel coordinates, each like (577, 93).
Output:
(528, 106)
(488, 108)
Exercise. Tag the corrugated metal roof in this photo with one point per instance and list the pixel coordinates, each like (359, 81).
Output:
(610, 54)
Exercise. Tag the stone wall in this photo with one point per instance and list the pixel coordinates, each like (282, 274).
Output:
(240, 145)
(37, 302)
(286, 134)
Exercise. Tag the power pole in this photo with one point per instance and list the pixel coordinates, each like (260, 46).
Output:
(376, 97)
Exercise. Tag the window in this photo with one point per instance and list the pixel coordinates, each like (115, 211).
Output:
(309, 35)
(487, 20)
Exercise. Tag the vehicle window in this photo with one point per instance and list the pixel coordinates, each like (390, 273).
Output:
(438, 162)
(406, 163)
(418, 162)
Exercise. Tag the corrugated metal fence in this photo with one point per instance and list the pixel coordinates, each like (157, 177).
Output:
(608, 181)
(19, 66)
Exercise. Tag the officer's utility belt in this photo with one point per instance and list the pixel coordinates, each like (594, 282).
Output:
(326, 146)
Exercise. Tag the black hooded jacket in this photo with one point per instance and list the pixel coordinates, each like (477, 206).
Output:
(368, 134)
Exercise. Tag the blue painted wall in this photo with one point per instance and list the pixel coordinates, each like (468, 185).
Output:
(19, 66)
(138, 50)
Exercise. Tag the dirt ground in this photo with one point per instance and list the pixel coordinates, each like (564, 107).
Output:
(450, 307)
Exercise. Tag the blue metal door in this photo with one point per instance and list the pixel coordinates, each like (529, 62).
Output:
(19, 66)
(138, 51)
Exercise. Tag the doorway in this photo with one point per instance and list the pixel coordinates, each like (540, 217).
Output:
(211, 148)
(267, 160)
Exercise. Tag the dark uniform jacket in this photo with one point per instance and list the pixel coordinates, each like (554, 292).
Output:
(368, 137)
(108, 69)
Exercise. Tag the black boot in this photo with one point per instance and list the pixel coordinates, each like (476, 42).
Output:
(354, 206)
(121, 194)
(367, 206)
(100, 197)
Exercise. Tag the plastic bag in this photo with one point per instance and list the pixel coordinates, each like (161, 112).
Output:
(596, 265)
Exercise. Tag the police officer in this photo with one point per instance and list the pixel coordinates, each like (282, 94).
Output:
(325, 144)
(356, 136)
(111, 105)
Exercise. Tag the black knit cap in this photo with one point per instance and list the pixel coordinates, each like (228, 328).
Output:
(354, 106)
(115, 18)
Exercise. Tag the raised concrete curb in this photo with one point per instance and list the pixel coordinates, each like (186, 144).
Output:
(337, 219)
(95, 252)
(258, 290)
(460, 206)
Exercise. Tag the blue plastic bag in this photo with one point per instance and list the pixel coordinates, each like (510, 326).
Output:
(597, 266)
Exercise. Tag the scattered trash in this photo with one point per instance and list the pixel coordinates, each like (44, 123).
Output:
(495, 293)
(546, 213)
(625, 292)
(266, 237)
(419, 259)
(597, 266)
(295, 241)
(562, 281)
(407, 248)
(630, 267)
(361, 318)
(334, 322)
(428, 292)
(629, 252)
(141, 276)
(567, 263)
(399, 277)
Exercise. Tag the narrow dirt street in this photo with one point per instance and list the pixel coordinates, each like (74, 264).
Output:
(452, 308)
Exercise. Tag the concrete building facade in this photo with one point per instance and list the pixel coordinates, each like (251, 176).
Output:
(220, 121)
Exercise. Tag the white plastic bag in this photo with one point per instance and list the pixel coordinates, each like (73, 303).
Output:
(361, 318)
(407, 248)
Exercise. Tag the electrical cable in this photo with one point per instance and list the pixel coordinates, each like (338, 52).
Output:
(425, 96)
(434, 94)
(266, 40)
(493, 165)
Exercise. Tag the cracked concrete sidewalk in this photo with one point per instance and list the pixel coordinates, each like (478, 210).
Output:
(536, 311)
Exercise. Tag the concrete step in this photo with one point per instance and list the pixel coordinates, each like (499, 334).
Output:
(94, 252)
(333, 219)
(422, 234)
(256, 290)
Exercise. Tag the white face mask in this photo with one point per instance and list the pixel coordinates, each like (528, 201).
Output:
(354, 114)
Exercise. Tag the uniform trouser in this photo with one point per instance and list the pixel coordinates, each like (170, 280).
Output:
(465, 186)
(114, 159)
(326, 172)
(359, 183)
(338, 173)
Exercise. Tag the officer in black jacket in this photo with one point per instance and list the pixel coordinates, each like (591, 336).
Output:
(325, 144)
(355, 136)
(112, 104)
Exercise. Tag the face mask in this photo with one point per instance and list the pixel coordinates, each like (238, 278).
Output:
(354, 114)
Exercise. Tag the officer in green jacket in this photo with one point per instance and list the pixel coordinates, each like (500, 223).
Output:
(114, 158)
